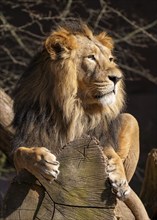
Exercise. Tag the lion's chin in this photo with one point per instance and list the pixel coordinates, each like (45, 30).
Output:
(107, 99)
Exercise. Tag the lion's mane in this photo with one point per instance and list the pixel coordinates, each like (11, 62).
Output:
(47, 109)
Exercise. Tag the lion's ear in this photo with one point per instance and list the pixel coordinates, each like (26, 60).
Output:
(59, 43)
(105, 40)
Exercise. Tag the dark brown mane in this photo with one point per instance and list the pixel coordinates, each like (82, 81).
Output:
(75, 26)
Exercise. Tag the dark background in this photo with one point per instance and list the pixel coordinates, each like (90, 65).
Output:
(140, 54)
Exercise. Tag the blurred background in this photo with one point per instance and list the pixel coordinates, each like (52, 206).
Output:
(24, 24)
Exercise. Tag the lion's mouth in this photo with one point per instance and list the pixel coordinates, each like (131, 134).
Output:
(101, 95)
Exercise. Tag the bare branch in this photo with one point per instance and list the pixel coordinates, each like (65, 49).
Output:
(66, 11)
(12, 30)
(100, 15)
(12, 57)
(145, 74)
(132, 23)
(133, 33)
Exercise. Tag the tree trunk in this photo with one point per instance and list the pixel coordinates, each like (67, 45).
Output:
(149, 188)
(6, 116)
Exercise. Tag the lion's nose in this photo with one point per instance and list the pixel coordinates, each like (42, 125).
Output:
(114, 79)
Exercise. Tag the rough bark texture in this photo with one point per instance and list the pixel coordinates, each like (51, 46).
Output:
(149, 188)
(6, 116)
(81, 191)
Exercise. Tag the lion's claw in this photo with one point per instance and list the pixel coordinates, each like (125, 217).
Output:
(47, 166)
(118, 182)
(37, 160)
(120, 188)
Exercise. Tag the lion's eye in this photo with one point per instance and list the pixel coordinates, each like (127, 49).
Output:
(91, 57)
(111, 59)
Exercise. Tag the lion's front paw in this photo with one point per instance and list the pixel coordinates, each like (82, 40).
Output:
(120, 186)
(37, 160)
(118, 181)
(46, 165)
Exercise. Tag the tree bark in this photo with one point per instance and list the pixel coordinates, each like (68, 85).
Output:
(6, 116)
(149, 188)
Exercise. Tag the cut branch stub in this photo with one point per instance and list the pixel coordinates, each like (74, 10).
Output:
(6, 116)
(149, 188)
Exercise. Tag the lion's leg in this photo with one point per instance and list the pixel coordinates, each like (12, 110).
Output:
(37, 160)
(128, 144)
(122, 163)
(128, 151)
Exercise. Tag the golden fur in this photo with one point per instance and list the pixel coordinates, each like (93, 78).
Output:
(62, 82)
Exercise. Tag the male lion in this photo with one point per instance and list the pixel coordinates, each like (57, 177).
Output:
(74, 87)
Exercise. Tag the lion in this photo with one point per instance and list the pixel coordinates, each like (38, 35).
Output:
(73, 87)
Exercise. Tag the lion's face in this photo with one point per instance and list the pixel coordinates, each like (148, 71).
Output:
(98, 76)
(91, 67)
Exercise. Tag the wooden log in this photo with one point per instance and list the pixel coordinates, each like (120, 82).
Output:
(6, 116)
(80, 192)
(149, 188)
(6, 111)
